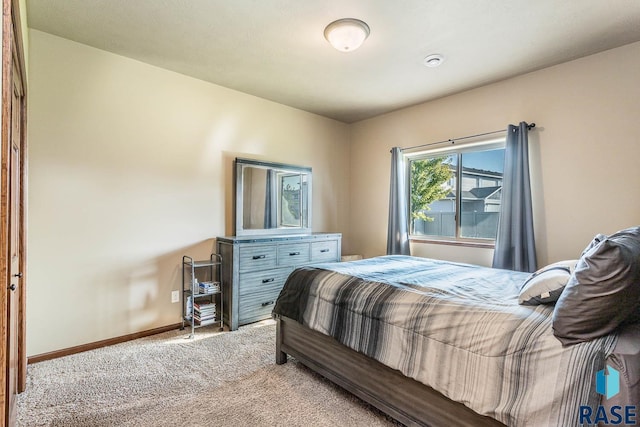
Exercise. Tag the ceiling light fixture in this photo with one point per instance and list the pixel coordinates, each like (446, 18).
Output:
(346, 34)
(433, 60)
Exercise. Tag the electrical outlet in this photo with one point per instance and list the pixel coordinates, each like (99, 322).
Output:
(175, 296)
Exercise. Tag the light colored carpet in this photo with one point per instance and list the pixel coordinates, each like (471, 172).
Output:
(215, 379)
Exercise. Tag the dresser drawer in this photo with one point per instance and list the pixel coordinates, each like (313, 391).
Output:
(293, 254)
(258, 304)
(261, 280)
(324, 251)
(252, 258)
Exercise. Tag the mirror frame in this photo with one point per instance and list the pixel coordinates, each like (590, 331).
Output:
(241, 164)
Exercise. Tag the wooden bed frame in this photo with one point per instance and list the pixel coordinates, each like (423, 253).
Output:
(406, 400)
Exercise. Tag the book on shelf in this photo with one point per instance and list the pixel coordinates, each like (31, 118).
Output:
(205, 310)
(204, 316)
(206, 306)
(200, 320)
(208, 287)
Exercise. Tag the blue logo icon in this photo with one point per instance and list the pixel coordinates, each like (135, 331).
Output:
(608, 385)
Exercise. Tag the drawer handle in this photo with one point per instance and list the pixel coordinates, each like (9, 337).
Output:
(324, 250)
(264, 304)
(259, 256)
(268, 280)
(294, 253)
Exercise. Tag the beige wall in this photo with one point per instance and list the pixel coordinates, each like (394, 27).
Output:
(130, 168)
(584, 152)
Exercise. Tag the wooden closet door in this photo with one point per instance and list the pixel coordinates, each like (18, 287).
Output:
(12, 224)
(15, 274)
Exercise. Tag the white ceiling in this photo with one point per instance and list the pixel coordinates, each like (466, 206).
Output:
(275, 49)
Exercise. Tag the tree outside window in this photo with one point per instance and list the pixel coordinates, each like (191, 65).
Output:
(429, 183)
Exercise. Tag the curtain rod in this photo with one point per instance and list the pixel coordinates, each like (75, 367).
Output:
(453, 140)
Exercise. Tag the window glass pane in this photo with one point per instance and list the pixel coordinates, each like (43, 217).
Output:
(481, 192)
(433, 199)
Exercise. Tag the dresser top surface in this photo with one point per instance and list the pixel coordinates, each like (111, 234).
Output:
(277, 238)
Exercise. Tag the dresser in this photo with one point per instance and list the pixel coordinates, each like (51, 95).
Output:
(255, 268)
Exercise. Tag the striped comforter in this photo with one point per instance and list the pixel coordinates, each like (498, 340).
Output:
(455, 327)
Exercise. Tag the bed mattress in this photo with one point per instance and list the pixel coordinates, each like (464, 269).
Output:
(455, 327)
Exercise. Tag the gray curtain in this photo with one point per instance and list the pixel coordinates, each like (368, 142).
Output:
(398, 231)
(515, 245)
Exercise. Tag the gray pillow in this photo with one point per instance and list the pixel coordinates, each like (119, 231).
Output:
(603, 292)
(596, 240)
(545, 285)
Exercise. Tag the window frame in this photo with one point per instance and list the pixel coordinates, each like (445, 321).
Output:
(484, 145)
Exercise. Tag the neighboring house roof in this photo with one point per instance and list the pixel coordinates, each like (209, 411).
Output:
(466, 170)
(484, 172)
(482, 192)
(478, 193)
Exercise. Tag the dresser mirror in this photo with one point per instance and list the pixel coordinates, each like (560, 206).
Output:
(272, 198)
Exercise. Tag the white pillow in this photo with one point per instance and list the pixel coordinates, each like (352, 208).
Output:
(545, 285)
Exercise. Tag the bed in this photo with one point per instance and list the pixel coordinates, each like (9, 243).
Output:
(438, 343)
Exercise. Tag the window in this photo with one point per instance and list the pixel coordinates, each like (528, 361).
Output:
(455, 194)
